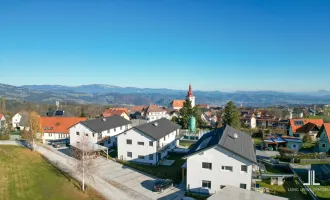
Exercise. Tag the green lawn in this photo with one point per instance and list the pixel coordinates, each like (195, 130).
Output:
(186, 143)
(283, 191)
(257, 141)
(26, 175)
(173, 172)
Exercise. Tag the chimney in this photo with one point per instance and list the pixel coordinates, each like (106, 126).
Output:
(155, 124)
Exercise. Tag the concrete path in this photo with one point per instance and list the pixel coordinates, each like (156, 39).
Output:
(63, 162)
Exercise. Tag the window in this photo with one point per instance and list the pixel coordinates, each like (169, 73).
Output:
(114, 129)
(50, 135)
(129, 154)
(227, 168)
(242, 185)
(243, 168)
(206, 184)
(296, 135)
(93, 134)
(128, 141)
(222, 186)
(141, 157)
(151, 156)
(165, 138)
(323, 145)
(151, 143)
(109, 131)
(141, 143)
(109, 141)
(86, 134)
(77, 133)
(121, 128)
(206, 165)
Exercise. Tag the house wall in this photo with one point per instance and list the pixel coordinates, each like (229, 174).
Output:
(293, 145)
(136, 149)
(253, 122)
(152, 116)
(16, 119)
(218, 157)
(54, 136)
(83, 130)
(323, 142)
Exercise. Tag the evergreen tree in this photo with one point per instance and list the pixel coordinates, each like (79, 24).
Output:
(82, 113)
(3, 106)
(231, 115)
(187, 111)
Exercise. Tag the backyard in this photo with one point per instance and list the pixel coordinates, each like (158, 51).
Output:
(167, 172)
(283, 190)
(27, 175)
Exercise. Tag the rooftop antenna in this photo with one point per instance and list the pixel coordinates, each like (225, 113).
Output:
(57, 105)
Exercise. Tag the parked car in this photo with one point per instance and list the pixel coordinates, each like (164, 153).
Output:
(162, 184)
(59, 144)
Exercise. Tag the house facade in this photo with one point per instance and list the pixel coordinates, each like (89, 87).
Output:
(323, 142)
(57, 127)
(2, 121)
(224, 156)
(102, 131)
(148, 143)
(153, 112)
(20, 121)
(249, 121)
(301, 127)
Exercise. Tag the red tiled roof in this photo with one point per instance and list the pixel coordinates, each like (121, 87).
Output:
(177, 103)
(123, 109)
(1, 115)
(137, 108)
(108, 112)
(154, 108)
(317, 122)
(59, 124)
(327, 129)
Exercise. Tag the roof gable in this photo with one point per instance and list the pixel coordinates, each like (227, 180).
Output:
(298, 123)
(229, 138)
(177, 103)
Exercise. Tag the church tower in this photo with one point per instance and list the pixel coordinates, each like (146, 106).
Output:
(191, 96)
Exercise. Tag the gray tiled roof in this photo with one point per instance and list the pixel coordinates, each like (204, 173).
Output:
(24, 119)
(159, 128)
(105, 123)
(225, 138)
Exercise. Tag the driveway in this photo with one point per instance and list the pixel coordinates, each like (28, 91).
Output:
(132, 183)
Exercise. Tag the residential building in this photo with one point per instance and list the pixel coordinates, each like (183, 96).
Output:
(249, 121)
(148, 143)
(153, 112)
(323, 142)
(2, 121)
(274, 143)
(174, 113)
(209, 117)
(301, 127)
(102, 131)
(235, 193)
(203, 106)
(224, 156)
(20, 121)
(178, 104)
(267, 122)
(123, 112)
(58, 127)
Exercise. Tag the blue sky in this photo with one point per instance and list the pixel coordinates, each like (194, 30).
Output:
(280, 45)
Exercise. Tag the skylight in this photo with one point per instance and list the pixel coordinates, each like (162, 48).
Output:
(203, 144)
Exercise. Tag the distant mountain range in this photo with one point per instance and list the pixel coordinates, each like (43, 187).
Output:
(115, 95)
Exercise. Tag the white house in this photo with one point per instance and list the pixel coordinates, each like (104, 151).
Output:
(224, 156)
(2, 121)
(148, 143)
(249, 121)
(101, 131)
(58, 127)
(153, 112)
(20, 121)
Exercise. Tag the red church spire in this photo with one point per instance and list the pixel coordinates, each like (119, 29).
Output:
(190, 93)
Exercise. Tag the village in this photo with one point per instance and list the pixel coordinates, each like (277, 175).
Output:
(188, 149)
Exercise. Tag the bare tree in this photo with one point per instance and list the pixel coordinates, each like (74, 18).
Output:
(83, 160)
(35, 129)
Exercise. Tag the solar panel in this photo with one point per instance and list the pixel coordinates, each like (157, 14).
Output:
(58, 113)
(298, 123)
(204, 143)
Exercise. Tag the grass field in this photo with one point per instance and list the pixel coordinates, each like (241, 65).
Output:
(26, 175)
(186, 143)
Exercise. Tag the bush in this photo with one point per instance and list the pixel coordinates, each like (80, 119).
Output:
(307, 138)
(197, 196)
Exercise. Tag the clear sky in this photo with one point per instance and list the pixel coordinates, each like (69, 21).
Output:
(281, 45)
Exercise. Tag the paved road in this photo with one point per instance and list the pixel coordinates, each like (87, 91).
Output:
(116, 181)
